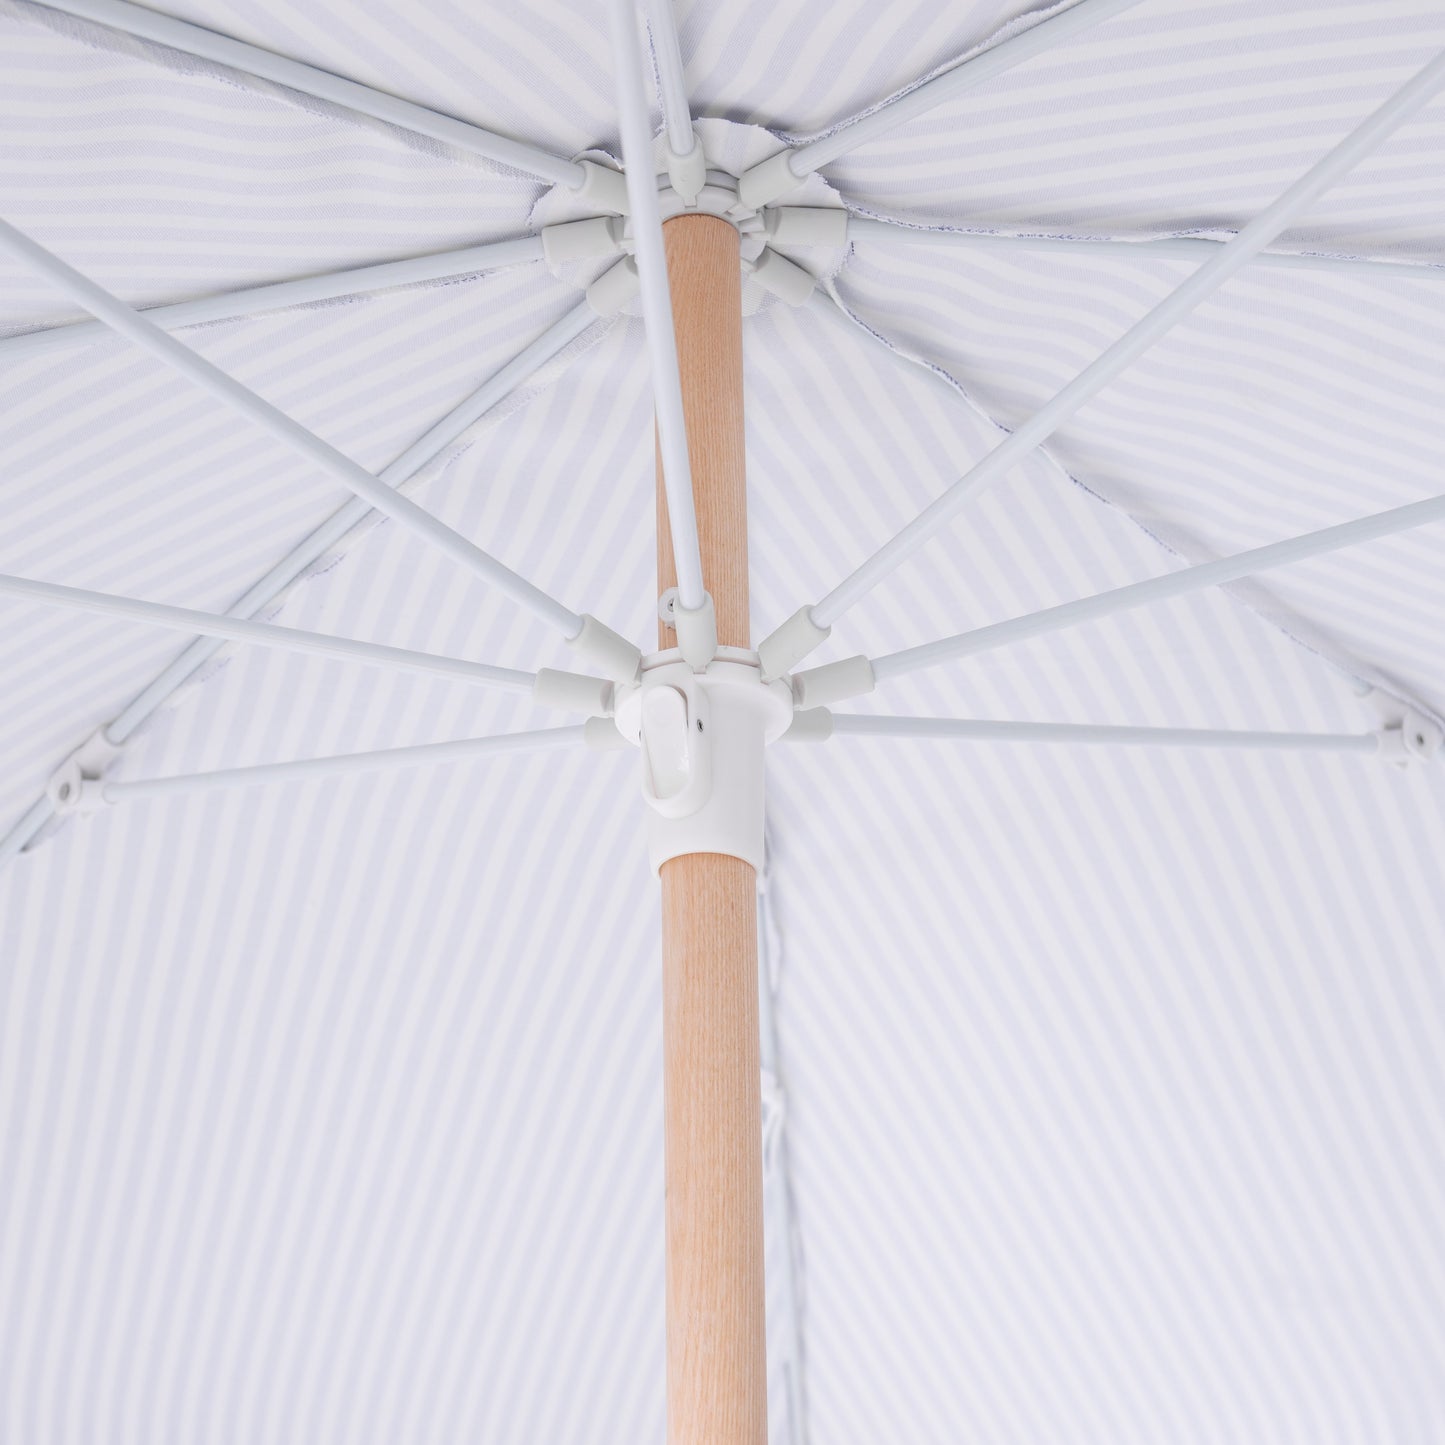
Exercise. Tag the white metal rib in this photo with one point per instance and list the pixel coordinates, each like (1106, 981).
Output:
(671, 77)
(402, 510)
(656, 302)
(26, 829)
(1094, 734)
(147, 24)
(1158, 589)
(425, 449)
(231, 305)
(963, 77)
(263, 634)
(382, 760)
(1138, 339)
(312, 548)
(1172, 248)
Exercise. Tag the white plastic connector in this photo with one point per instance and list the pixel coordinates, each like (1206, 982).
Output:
(696, 632)
(783, 278)
(75, 786)
(585, 240)
(614, 288)
(718, 196)
(77, 795)
(815, 725)
(834, 682)
(573, 692)
(765, 183)
(751, 245)
(806, 226)
(1414, 739)
(688, 173)
(613, 655)
(702, 738)
(791, 643)
(1406, 735)
(601, 734)
(602, 188)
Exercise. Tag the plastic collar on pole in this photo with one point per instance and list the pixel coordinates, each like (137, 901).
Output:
(690, 188)
(702, 736)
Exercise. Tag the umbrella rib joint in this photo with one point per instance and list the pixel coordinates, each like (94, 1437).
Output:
(811, 625)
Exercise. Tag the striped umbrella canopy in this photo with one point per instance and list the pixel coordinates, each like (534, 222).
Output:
(1092, 361)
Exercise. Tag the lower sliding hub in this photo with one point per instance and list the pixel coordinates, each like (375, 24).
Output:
(701, 737)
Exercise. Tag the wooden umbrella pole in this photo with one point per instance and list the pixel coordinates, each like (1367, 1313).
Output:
(716, 1367)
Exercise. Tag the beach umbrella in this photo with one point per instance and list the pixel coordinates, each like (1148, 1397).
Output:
(944, 500)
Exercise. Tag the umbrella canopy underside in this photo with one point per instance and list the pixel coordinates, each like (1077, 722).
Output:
(1107, 1098)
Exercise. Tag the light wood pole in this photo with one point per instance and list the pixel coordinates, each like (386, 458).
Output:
(716, 1366)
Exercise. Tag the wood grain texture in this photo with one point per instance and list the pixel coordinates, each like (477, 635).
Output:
(702, 267)
(716, 1364)
(716, 1361)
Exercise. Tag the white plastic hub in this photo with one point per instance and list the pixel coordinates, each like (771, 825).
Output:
(717, 196)
(583, 233)
(701, 736)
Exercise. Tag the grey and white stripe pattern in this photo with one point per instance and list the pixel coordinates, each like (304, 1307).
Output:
(1113, 1082)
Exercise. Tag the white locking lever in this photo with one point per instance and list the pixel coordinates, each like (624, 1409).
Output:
(676, 747)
